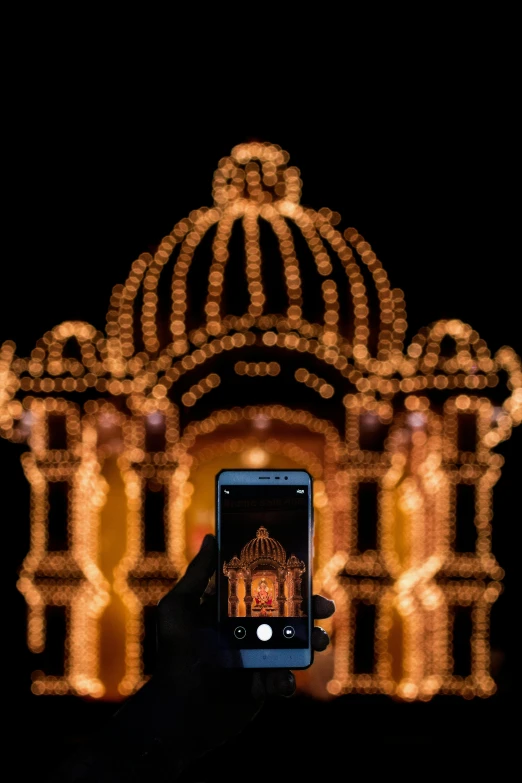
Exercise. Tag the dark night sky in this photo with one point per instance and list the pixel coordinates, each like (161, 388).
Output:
(97, 175)
(427, 182)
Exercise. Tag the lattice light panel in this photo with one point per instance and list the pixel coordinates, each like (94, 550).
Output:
(409, 435)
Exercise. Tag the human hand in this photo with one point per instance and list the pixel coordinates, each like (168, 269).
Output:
(187, 636)
(190, 706)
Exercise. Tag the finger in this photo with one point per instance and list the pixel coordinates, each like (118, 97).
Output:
(210, 589)
(320, 639)
(322, 607)
(208, 610)
(198, 573)
(280, 682)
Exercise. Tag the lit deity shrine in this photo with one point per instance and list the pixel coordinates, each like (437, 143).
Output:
(263, 580)
(126, 430)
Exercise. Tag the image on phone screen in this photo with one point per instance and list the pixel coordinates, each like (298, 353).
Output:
(264, 564)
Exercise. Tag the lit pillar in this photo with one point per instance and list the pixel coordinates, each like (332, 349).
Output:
(231, 571)
(248, 592)
(281, 599)
(296, 568)
(232, 593)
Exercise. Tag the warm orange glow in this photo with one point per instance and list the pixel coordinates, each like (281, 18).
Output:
(121, 407)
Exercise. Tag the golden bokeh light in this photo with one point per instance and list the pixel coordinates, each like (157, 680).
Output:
(131, 420)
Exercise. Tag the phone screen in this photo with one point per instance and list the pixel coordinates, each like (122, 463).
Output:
(264, 567)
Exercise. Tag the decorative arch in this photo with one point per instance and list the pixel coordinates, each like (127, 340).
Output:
(222, 418)
(381, 393)
(140, 578)
(250, 198)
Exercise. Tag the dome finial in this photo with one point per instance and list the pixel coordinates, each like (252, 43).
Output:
(256, 171)
(262, 533)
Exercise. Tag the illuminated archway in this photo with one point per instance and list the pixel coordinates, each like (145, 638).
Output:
(162, 375)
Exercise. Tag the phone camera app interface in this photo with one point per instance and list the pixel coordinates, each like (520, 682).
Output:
(264, 569)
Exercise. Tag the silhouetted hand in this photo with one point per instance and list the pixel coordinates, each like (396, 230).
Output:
(187, 635)
(191, 705)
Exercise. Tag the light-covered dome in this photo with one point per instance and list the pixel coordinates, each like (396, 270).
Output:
(257, 197)
(262, 546)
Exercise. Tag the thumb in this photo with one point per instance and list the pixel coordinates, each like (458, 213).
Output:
(177, 610)
(199, 571)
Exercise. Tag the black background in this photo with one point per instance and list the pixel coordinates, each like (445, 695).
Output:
(417, 150)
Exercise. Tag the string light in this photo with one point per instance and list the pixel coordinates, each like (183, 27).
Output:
(319, 384)
(69, 578)
(201, 388)
(257, 368)
(119, 395)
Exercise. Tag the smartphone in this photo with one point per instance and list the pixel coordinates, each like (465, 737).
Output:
(264, 530)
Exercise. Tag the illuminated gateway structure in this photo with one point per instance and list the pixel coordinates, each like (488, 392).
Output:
(399, 440)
